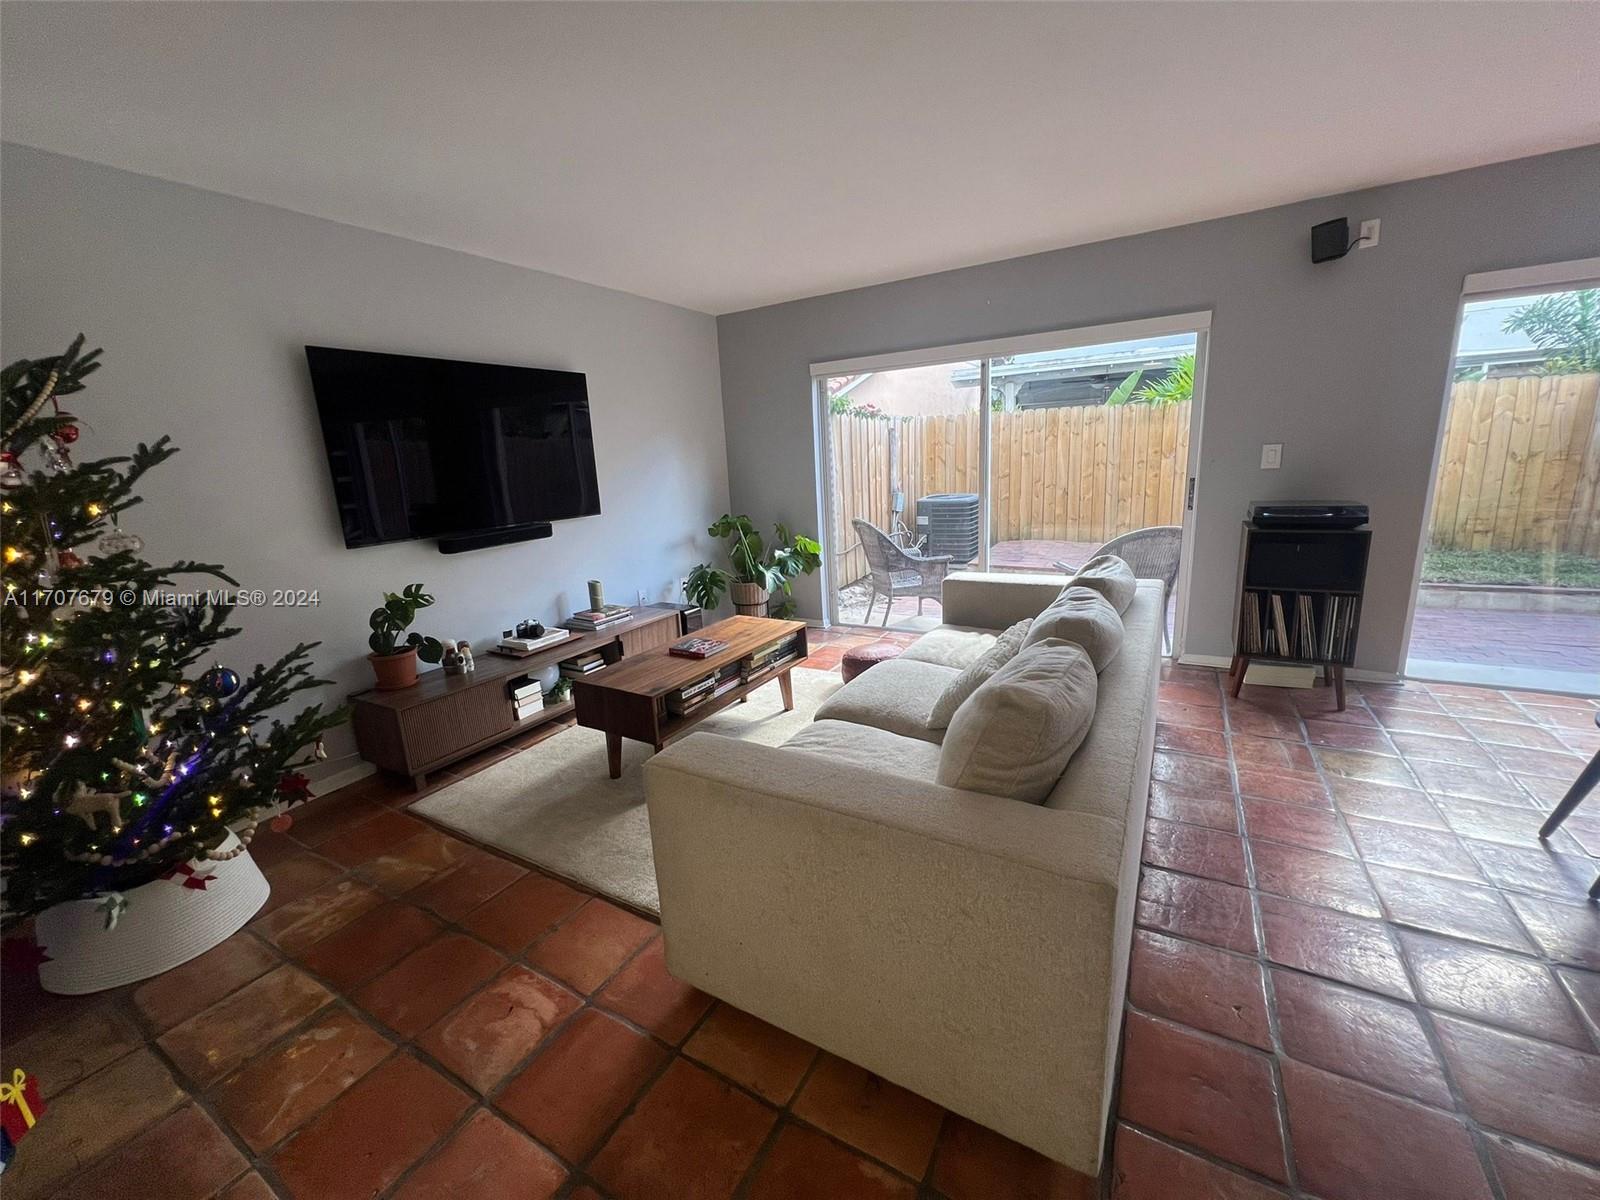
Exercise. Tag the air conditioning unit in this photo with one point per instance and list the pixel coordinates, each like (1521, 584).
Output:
(948, 524)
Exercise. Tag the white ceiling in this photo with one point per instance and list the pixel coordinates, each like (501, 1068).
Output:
(728, 155)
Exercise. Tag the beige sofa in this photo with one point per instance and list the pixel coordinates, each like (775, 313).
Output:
(969, 947)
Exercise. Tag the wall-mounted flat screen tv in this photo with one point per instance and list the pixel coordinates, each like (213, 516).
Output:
(469, 453)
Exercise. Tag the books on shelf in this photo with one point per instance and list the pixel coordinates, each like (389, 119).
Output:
(703, 690)
(599, 618)
(1310, 626)
(697, 647)
(770, 657)
(584, 664)
(522, 709)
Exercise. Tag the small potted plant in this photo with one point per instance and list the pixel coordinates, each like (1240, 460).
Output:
(758, 570)
(395, 662)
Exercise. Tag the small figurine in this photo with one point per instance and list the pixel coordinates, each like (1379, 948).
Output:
(452, 661)
(464, 649)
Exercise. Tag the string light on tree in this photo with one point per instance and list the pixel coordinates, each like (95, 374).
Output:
(115, 773)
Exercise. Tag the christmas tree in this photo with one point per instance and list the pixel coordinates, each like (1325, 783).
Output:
(128, 748)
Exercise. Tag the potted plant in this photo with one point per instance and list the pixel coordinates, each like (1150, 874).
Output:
(758, 569)
(395, 662)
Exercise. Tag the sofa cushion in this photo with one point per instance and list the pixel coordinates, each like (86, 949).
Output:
(864, 746)
(1015, 734)
(897, 695)
(951, 647)
(963, 685)
(1111, 577)
(1084, 616)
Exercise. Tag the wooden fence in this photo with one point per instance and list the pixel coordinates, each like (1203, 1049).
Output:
(1082, 474)
(1520, 466)
(1519, 469)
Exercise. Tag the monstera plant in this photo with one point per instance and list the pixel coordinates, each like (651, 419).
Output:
(759, 568)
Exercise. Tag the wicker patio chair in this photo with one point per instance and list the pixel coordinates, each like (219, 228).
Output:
(898, 572)
(1152, 553)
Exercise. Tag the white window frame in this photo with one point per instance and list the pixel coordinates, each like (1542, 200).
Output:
(1197, 323)
(1482, 285)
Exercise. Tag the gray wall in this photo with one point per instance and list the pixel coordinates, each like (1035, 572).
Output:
(1344, 363)
(203, 304)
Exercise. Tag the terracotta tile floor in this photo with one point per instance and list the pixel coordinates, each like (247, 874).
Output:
(1352, 979)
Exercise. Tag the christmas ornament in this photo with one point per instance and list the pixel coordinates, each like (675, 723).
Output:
(11, 473)
(84, 804)
(68, 433)
(220, 682)
(20, 1104)
(119, 541)
(282, 823)
(294, 787)
(57, 458)
(69, 560)
(320, 751)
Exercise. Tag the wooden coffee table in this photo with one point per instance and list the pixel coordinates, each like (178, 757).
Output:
(629, 699)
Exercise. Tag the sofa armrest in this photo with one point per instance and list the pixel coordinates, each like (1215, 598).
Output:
(996, 601)
(960, 945)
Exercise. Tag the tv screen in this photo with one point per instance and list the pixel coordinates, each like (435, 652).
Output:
(433, 448)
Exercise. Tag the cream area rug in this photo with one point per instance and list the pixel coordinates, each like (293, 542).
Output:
(554, 806)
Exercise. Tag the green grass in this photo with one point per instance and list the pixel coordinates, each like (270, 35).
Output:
(1511, 567)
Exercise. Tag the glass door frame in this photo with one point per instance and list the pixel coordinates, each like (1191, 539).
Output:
(1483, 285)
(1197, 323)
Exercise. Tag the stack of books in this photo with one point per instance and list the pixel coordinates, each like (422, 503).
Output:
(527, 697)
(702, 691)
(584, 664)
(518, 647)
(697, 647)
(770, 657)
(599, 618)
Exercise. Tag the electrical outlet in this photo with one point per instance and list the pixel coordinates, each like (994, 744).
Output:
(1368, 237)
(1272, 456)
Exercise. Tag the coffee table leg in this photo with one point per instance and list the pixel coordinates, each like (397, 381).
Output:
(786, 686)
(614, 754)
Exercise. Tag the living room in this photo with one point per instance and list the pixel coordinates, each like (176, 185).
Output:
(1049, 680)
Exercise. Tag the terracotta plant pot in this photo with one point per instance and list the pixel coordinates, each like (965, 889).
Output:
(165, 923)
(395, 671)
(749, 599)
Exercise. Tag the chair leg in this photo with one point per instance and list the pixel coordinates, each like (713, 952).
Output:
(871, 600)
(888, 607)
(920, 601)
(1581, 787)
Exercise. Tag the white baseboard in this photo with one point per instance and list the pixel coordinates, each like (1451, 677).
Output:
(336, 773)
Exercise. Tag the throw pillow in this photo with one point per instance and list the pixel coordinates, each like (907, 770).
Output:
(1015, 734)
(1111, 577)
(963, 685)
(1084, 616)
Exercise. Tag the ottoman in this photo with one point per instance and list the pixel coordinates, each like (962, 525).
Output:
(858, 658)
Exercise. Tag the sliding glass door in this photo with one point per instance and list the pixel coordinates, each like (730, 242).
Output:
(904, 484)
(1509, 593)
(1028, 456)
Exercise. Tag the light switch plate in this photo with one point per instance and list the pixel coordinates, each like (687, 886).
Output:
(1272, 456)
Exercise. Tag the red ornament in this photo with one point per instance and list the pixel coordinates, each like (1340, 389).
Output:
(68, 560)
(281, 823)
(191, 877)
(66, 434)
(294, 787)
